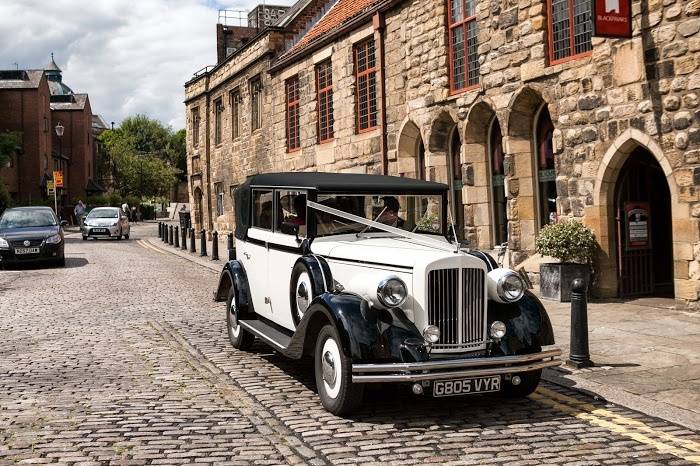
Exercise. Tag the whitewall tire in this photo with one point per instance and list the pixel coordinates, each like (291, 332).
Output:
(240, 338)
(333, 368)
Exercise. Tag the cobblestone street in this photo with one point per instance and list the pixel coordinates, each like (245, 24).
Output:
(122, 358)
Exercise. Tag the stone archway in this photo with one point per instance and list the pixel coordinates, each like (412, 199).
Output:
(479, 211)
(601, 217)
(198, 209)
(520, 172)
(446, 164)
(411, 152)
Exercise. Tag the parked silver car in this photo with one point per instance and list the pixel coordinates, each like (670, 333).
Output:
(106, 222)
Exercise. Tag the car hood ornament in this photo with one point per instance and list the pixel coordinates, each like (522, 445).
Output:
(26, 243)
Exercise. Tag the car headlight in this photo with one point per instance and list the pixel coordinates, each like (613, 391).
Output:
(115, 224)
(505, 285)
(497, 329)
(4, 244)
(55, 239)
(392, 292)
(431, 334)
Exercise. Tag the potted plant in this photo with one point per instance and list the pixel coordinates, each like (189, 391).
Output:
(574, 245)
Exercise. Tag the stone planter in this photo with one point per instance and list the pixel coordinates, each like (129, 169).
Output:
(556, 278)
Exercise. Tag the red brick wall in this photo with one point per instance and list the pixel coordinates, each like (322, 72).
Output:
(27, 111)
(78, 144)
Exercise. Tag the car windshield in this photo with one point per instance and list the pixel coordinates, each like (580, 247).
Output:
(28, 218)
(415, 213)
(103, 213)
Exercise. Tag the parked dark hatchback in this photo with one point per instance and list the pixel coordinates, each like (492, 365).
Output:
(31, 234)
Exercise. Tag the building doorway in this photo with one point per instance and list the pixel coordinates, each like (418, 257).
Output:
(644, 228)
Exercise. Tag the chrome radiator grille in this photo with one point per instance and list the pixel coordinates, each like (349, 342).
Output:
(456, 306)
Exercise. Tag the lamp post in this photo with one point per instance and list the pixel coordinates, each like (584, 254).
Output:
(59, 133)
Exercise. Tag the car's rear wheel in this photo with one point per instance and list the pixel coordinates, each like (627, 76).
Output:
(239, 337)
(333, 368)
(528, 384)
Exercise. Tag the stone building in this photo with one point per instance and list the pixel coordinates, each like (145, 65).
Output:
(515, 104)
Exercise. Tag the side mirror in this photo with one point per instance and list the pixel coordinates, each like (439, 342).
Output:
(64, 223)
(290, 229)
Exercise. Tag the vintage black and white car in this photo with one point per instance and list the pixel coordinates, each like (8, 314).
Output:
(358, 272)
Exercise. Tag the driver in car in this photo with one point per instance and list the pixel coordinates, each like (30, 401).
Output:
(390, 212)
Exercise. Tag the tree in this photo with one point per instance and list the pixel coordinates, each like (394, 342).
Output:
(9, 144)
(177, 152)
(144, 156)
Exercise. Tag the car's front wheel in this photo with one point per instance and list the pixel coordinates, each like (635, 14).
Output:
(84, 238)
(338, 393)
(239, 337)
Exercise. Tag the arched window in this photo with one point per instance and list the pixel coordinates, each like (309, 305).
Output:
(455, 161)
(498, 193)
(546, 175)
(420, 161)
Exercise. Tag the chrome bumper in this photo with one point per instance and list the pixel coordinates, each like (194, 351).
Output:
(454, 368)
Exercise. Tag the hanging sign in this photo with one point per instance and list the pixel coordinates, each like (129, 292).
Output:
(49, 188)
(638, 223)
(612, 18)
(58, 179)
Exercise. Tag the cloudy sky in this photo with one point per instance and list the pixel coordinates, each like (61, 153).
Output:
(130, 56)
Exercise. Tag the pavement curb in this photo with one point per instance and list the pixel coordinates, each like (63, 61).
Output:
(195, 258)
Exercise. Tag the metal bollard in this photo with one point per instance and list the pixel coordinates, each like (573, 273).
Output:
(170, 235)
(203, 242)
(165, 233)
(579, 356)
(229, 247)
(160, 228)
(184, 239)
(176, 236)
(192, 241)
(215, 246)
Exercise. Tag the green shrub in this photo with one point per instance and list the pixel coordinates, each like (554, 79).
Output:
(568, 241)
(5, 199)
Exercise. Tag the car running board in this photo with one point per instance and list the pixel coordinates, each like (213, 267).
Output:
(267, 333)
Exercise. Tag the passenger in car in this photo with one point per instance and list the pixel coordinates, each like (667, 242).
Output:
(390, 213)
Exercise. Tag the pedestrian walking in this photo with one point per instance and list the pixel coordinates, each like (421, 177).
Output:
(78, 211)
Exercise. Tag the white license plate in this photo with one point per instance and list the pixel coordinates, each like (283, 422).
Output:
(466, 386)
(26, 250)
(99, 230)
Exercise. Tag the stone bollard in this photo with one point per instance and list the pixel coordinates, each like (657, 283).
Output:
(203, 243)
(192, 241)
(579, 355)
(215, 246)
(184, 239)
(229, 247)
(176, 236)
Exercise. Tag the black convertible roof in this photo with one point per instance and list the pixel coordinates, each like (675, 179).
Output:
(346, 182)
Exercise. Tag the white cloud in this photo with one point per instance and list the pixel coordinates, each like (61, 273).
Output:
(130, 56)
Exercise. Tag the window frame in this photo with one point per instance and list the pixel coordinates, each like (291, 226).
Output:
(219, 192)
(551, 61)
(235, 101)
(462, 23)
(195, 127)
(292, 95)
(256, 90)
(366, 72)
(253, 217)
(325, 93)
(218, 120)
(196, 167)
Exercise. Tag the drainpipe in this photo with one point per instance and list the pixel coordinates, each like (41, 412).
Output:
(378, 24)
(207, 146)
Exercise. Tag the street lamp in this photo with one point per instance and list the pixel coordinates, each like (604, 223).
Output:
(59, 132)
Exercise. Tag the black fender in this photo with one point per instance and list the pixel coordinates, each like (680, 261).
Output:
(234, 275)
(367, 334)
(320, 272)
(488, 260)
(528, 327)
